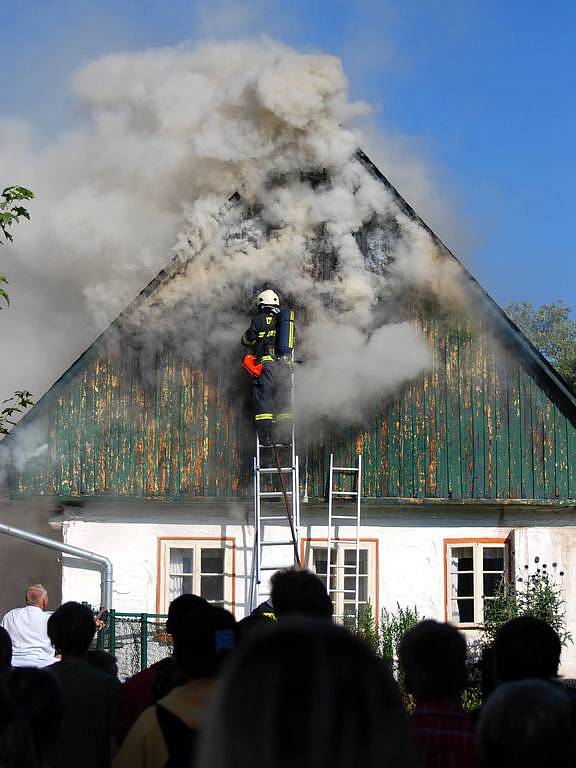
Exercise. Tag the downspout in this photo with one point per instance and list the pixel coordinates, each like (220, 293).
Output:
(103, 563)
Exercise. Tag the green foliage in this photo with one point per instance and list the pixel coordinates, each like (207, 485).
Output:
(16, 404)
(11, 213)
(384, 637)
(367, 628)
(393, 625)
(10, 210)
(531, 594)
(552, 330)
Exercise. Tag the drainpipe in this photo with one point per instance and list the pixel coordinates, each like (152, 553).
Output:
(103, 563)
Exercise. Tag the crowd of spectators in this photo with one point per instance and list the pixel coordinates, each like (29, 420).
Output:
(284, 688)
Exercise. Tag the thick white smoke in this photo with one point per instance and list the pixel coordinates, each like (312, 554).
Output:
(170, 135)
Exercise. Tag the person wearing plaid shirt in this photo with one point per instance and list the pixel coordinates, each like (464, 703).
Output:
(433, 660)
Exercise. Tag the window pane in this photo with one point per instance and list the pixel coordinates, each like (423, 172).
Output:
(350, 559)
(350, 584)
(493, 558)
(462, 559)
(212, 561)
(463, 611)
(350, 613)
(319, 561)
(179, 585)
(212, 588)
(465, 585)
(491, 581)
(181, 560)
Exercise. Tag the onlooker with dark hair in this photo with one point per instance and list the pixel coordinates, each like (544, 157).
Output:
(433, 661)
(90, 696)
(31, 707)
(148, 686)
(300, 592)
(306, 693)
(526, 724)
(526, 647)
(26, 626)
(5, 652)
(166, 734)
(102, 661)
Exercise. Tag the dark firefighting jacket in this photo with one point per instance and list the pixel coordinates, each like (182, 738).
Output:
(261, 336)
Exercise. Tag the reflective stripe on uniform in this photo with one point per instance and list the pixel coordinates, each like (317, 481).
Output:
(270, 333)
(285, 416)
(266, 357)
(261, 334)
(264, 417)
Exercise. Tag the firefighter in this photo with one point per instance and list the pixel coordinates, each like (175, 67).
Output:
(271, 393)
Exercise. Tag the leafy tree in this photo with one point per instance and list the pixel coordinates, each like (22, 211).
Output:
(11, 211)
(552, 330)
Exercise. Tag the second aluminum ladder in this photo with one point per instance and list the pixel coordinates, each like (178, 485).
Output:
(351, 517)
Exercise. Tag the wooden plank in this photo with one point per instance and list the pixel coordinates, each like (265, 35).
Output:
(479, 421)
(502, 445)
(549, 450)
(442, 474)
(454, 446)
(407, 444)
(467, 371)
(571, 454)
(394, 448)
(514, 433)
(562, 483)
(526, 434)
(538, 427)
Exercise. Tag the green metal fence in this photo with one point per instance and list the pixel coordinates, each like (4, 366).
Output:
(136, 639)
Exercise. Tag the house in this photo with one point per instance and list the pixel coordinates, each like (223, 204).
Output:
(469, 468)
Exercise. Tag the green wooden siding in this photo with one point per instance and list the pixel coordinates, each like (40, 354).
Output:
(477, 425)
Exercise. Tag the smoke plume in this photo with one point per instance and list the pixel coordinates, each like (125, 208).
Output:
(169, 135)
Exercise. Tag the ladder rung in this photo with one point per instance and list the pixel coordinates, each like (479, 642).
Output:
(341, 567)
(344, 469)
(278, 445)
(273, 567)
(344, 517)
(273, 517)
(270, 470)
(273, 494)
(276, 543)
(343, 591)
(344, 493)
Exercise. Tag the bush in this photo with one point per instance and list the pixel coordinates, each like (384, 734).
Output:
(384, 637)
(530, 594)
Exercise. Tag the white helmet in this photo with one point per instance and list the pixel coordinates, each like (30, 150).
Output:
(268, 299)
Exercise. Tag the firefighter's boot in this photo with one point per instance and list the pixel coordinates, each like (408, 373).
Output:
(265, 433)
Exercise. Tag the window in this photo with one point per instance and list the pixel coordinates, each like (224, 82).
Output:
(473, 572)
(200, 566)
(343, 574)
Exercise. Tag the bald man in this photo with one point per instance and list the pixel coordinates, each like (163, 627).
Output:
(27, 629)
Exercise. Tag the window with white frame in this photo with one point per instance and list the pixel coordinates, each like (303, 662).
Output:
(343, 574)
(473, 571)
(199, 566)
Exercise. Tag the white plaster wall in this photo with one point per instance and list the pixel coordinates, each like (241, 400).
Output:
(411, 561)
(133, 550)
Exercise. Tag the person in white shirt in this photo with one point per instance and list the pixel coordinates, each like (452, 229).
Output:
(26, 626)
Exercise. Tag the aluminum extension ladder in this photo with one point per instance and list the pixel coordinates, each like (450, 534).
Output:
(276, 513)
(335, 519)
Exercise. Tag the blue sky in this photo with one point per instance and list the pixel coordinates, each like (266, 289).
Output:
(484, 90)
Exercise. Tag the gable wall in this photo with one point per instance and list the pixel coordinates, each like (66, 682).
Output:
(478, 425)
